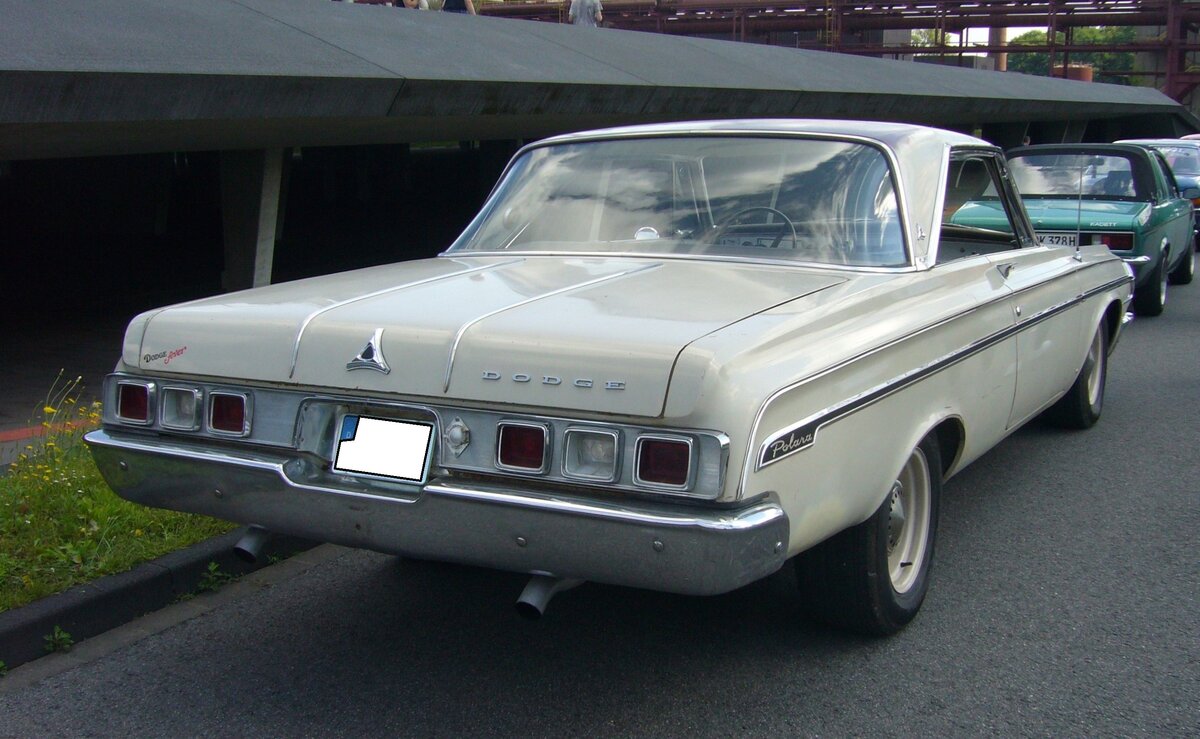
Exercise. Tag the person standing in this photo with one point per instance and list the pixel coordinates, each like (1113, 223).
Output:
(458, 6)
(586, 13)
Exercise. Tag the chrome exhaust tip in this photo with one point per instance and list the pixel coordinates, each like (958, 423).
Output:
(249, 547)
(538, 592)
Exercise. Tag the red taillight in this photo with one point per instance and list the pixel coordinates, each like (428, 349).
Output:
(522, 447)
(133, 403)
(1116, 240)
(664, 461)
(227, 413)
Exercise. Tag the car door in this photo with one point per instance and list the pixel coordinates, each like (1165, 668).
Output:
(1172, 212)
(1044, 282)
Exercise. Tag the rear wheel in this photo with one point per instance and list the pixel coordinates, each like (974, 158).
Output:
(872, 578)
(1149, 299)
(1185, 270)
(1080, 408)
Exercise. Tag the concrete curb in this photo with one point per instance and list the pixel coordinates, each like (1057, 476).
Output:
(93, 608)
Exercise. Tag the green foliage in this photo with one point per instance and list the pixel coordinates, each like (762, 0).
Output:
(931, 37)
(213, 579)
(60, 524)
(57, 641)
(3, 668)
(1039, 62)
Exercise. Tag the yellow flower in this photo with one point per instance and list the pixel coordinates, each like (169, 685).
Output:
(50, 410)
(137, 532)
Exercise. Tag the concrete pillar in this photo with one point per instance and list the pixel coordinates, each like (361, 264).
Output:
(251, 183)
(999, 37)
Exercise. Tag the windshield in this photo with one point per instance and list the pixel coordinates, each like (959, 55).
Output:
(1093, 176)
(1183, 160)
(811, 200)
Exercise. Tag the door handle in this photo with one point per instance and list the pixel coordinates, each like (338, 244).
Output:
(1005, 269)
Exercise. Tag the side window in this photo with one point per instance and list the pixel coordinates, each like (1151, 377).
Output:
(976, 219)
(1168, 175)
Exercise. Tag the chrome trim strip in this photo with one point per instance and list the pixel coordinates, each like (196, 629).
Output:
(939, 207)
(1143, 259)
(395, 288)
(803, 434)
(792, 263)
(463, 329)
(740, 520)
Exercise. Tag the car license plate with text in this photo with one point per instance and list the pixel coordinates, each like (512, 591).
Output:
(383, 447)
(1058, 239)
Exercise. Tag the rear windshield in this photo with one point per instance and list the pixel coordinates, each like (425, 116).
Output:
(1093, 176)
(807, 200)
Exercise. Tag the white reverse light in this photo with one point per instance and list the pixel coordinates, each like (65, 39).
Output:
(591, 455)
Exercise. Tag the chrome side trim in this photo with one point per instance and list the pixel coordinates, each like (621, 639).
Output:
(740, 520)
(935, 238)
(1143, 259)
(396, 288)
(801, 435)
(463, 329)
(791, 263)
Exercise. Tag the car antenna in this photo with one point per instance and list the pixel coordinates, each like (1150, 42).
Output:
(1079, 214)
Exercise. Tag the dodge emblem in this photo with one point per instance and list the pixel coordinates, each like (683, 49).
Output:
(371, 357)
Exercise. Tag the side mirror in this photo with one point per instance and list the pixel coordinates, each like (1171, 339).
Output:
(1191, 193)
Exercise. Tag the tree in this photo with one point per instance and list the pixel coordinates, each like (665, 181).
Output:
(930, 37)
(1038, 62)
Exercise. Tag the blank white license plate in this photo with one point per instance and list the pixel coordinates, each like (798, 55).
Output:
(1058, 239)
(383, 447)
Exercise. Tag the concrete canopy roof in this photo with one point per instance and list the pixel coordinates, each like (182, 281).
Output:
(124, 76)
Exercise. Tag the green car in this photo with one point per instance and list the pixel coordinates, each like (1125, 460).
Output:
(1121, 195)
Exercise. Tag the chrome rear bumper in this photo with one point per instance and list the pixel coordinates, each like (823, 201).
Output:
(669, 547)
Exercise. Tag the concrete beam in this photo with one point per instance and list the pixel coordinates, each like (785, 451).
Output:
(251, 183)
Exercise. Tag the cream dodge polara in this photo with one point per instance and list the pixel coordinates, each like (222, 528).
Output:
(666, 357)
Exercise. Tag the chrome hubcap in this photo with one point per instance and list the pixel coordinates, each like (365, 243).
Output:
(1095, 378)
(908, 522)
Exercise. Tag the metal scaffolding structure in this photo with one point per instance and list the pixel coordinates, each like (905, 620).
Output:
(854, 27)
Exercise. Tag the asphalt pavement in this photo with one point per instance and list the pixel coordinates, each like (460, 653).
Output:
(1064, 602)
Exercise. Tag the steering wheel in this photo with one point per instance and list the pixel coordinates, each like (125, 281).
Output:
(732, 221)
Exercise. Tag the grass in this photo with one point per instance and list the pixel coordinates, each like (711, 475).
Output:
(61, 525)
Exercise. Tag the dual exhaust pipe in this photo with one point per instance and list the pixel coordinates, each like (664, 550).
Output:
(530, 605)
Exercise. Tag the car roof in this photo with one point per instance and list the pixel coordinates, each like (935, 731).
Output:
(889, 134)
(1132, 149)
(1185, 143)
